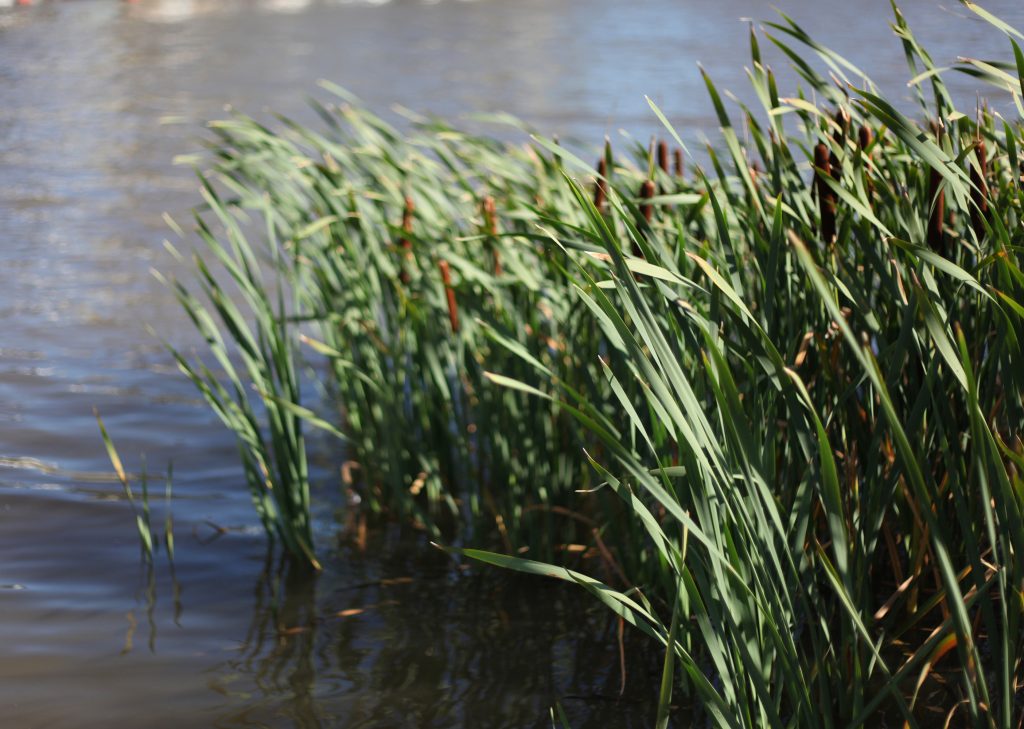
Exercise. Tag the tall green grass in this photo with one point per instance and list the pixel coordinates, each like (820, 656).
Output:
(836, 365)
(255, 387)
(789, 386)
(394, 264)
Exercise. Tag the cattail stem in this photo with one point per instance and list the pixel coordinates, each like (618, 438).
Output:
(864, 139)
(490, 215)
(842, 119)
(453, 308)
(979, 190)
(826, 197)
(405, 241)
(491, 225)
(601, 185)
(647, 191)
(937, 201)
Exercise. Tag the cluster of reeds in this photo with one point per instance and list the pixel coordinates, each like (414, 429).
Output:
(255, 388)
(798, 376)
(403, 267)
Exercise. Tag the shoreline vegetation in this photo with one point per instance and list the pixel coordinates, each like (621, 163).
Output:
(768, 410)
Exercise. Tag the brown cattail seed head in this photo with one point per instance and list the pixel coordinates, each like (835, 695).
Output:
(663, 156)
(453, 309)
(865, 136)
(822, 162)
(864, 139)
(601, 185)
(404, 242)
(491, 225)
(826, 197)
(490, 215)
(979, 189)
(677, 155)
(842, 119)
(647, 191)
(410, 208)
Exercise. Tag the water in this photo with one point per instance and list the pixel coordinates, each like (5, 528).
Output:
(96, 99)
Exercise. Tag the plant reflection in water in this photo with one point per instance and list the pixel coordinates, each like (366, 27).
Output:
(366, 644)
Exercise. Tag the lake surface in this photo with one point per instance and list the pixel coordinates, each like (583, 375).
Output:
(97, 97)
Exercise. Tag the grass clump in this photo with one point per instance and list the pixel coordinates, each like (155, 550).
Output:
(796, 377)
(404, 268)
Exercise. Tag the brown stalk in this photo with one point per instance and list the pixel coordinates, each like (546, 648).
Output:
(647, 191)
(938, 210)
(979, 190)
(663, 156)
(842, 119)
(677, 155)
(609, 560)
(864, 138)
(894, 554)
(937, 200)
(826, 197)
(755, 174)
(601, 185)
(453, 309)
(491, 224)
(404, 242)
(561, 510)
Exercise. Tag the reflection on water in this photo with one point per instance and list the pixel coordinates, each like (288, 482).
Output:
(97, 97)
(413, 642)
(396, 636)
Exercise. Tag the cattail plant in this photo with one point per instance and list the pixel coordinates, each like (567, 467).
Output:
(839, 544)
(809, 460)
(601, 185)
(663, 155)
(936, 200)
(449, 292)
(826, 196)
(839, 135)
(865, 137)
(979, 189)
(490, 212)
(405, 243)
(647, 191)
